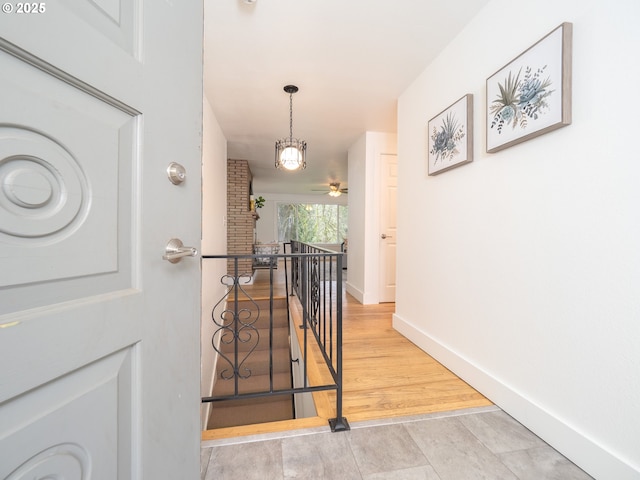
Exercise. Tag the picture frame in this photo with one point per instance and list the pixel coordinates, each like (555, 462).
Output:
(450, 137)
(531, 95)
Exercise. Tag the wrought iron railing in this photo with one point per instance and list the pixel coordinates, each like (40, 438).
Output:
(314, 276)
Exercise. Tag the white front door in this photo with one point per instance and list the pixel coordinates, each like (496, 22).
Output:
(388, 230)
(99, 336)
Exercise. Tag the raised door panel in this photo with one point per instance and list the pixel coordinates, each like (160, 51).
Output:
(115, 19)
(98, 42)
(67, 164)
(76, 427)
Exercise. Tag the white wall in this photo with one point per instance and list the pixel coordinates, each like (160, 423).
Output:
(364, 214)
(214, 236)
(522, 270)
(356, 169)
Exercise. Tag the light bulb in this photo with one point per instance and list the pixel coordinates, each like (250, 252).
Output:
(291, 158)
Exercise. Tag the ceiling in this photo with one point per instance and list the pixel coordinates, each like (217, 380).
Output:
(351, 60)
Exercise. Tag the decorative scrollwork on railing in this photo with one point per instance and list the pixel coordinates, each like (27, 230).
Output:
(314, 286)
(235, 327)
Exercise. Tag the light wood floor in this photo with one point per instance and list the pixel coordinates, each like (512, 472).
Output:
(385, 375)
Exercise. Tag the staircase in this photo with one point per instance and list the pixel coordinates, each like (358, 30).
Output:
(254, 360)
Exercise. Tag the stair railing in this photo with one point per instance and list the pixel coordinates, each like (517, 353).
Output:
(316, 281)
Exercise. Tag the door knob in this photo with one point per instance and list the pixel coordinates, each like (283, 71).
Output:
(175, 250)
(384, 235)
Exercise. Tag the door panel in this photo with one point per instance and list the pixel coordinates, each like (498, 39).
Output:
(115, 19)
(53, 427)
(389, 176)
(67, 163)
(83, 42)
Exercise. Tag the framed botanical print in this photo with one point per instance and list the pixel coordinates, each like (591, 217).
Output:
(531, 95)
(450, 137)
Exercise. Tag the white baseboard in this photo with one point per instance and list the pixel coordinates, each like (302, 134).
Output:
(354, 292)
(585, 452)
(362, 297)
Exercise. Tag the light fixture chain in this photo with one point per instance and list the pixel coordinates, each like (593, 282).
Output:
(291, 116)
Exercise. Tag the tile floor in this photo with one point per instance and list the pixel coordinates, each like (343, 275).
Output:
(479, 443)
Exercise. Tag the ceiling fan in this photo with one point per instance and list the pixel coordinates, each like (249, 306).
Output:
(334, 190)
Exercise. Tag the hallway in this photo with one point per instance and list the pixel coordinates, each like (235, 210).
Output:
(385, 375)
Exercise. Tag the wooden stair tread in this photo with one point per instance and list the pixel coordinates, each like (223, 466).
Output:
(256, 318)
(250, 411)
(253, 384)
(258, 362)
(249, 338)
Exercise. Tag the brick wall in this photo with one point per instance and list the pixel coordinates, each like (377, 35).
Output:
(240, 220)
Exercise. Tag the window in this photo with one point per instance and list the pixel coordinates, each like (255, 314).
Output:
(312, 223)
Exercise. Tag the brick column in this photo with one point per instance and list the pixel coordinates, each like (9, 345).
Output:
(240, 220)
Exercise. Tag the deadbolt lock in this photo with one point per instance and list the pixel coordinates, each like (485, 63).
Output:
(176, 173)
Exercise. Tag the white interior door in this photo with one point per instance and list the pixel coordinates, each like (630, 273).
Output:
(99, 336)
(388, 235)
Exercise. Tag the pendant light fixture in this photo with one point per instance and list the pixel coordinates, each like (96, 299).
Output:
(291, 152)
